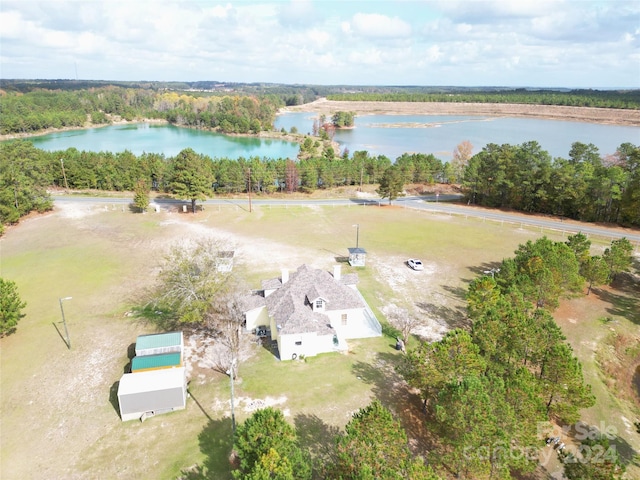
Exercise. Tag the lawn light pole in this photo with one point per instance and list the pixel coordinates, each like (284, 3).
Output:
(231, 375)
(66, 186)
(64, 321)
(357, 225)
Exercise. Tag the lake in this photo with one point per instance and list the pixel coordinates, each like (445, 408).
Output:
(167, 139)
(393, 135)
(390, 135)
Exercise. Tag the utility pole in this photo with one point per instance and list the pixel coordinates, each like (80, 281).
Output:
(249, 189)
(64, 321)
(233, 416)
(64, 175)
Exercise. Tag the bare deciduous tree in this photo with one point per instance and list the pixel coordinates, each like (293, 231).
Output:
(401, 319)
(200, 292)
(461, 155)
(191, 278)
(225, 319)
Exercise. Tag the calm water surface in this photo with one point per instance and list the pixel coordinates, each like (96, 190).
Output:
(390, 135)
(393, 135)
(166, 139)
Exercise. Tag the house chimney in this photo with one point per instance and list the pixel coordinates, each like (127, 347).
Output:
(285, 276)
(336, 273)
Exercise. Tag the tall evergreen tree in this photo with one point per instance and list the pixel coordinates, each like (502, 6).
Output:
(141, 195)
(374, 446)
(618, 257)
(595, 271)
(25, 174)
(562, 384)
(391, 184)
(192, 177)
(430, 367)
(266, 443)
(10, 307)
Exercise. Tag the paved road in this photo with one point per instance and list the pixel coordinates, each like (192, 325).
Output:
(442, 203)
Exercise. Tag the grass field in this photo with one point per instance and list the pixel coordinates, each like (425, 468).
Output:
(59, 415)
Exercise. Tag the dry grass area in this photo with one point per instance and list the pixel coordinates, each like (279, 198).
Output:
(552, 112)
(60, 416)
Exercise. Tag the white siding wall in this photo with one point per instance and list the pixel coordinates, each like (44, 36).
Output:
(257, 317)
(311, 345)
(356, 326)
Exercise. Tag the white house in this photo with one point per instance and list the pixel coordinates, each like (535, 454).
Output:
(311, 311)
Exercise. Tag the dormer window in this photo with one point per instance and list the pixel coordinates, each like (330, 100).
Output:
(319, 304)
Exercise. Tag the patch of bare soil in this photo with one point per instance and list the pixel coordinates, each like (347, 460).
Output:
(551, 112)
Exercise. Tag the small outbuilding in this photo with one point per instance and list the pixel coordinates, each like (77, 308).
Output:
(224, 261)
(158, 343)
(145, 394)
(357, 257)
(156, 362)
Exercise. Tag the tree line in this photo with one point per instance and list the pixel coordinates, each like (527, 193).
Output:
(583, 187)
(523, 177)
(41, 109)
(620, 99)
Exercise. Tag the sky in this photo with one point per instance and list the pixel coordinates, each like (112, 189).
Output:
(511, 43)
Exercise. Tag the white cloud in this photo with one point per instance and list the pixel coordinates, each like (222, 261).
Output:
(310, 41)
(366, 57)
(379, 26)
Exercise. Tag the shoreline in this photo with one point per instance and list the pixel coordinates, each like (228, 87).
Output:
(48, 131)
(604, 116)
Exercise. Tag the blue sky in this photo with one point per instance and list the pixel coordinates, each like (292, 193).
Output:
(538, 43)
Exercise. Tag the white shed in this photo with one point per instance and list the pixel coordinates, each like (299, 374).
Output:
(144, 394)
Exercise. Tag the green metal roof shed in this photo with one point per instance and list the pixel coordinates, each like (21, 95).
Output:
(158, 343)
(156, 362)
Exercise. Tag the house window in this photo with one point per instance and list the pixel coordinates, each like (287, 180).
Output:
(299, 342)
(344, 319)
(319, 303)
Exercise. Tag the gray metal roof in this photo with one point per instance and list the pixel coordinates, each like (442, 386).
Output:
(151, 381)
(290, 307)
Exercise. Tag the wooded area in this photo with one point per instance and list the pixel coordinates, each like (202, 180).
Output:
(487, 390)
(576, 98)
(42, 109)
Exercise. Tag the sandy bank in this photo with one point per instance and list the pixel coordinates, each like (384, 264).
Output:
(551, 112)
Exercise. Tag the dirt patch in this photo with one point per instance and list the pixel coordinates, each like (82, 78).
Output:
(551, 112)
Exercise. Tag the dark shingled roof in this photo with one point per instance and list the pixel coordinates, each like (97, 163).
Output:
(290, 305)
